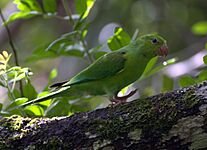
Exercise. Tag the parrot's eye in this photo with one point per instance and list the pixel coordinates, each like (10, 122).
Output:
(154, 41)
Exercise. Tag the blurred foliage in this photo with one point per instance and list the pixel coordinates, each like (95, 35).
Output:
(119, 39)
(72, 29)
(188, 80)
(200, 28)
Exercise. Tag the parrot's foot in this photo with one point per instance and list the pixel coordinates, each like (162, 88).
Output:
(116, 100)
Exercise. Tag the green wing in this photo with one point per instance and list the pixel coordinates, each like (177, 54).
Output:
(108, 65)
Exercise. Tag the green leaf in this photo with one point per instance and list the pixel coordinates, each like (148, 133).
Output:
(205, 59)
(158, 68)
(50, 6)
(90, 4)
(119, 39)
(28, 9)
(34, 110)
(17, 102)
(22, 15)
(167, 83)
(150, 65)
(186, 81)
(67, 45)
(27, 5)
(47, 102)
(99, 54)
(1, 105)
(202, 75)
(200, 28)
(65, 39)
(81, 6)
(16, 93)
(60, 107)
(29, 91)
(40, 53)
(53, 74)
(17, 73)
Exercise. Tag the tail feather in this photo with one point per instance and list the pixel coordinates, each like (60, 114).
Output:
(54, 94)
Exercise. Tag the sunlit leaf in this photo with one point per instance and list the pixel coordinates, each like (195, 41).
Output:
(17, 102)
(84, 33)
(200, 28)
(158, 68)
(27, 5)
(119, 39)
(150, 65)
(28, 9)
(186, 81)
(167, 83)
(170, 61)
(34, 110)
(50, 5)
(90, 4)
(2, 59)
(46, 102)
(83, 7)
(22, 15)
(17, 73)
(5, 54)
(53, 74)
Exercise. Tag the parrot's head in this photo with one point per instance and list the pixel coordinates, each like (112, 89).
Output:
(154, 45)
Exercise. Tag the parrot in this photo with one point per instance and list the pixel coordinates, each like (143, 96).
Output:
(111, 72)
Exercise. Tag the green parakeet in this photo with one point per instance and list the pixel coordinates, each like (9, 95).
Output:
(111, 72)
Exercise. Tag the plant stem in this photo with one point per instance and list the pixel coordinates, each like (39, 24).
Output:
(13, 48)
(68, 12)
(86, 51)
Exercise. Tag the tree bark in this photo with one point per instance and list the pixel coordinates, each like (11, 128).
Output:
(173, 120)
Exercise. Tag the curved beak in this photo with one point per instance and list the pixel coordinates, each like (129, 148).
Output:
(163, 50)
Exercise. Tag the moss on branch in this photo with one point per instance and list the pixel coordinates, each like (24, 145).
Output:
(174, 120)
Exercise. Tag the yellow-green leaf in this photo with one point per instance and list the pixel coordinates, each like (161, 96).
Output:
(186, 81)
(34, 110)
(200, 28)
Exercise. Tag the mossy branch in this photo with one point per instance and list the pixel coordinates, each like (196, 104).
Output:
(174, 120)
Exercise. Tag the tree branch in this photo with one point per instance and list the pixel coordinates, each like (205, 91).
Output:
(174, 120)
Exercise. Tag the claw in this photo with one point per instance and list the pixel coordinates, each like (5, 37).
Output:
(116, 100)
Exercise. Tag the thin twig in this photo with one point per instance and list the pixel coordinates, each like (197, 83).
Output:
(86, 51)
(68, 12)
(13, 48)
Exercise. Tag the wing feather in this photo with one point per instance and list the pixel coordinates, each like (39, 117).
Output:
(108, 65)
